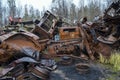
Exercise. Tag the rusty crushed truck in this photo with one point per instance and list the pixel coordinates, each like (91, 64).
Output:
(49, 37)
(30, 53)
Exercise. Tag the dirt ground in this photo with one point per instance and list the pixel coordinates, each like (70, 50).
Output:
(97, 72)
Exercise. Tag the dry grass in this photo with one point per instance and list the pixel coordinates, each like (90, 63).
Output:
(114, 60)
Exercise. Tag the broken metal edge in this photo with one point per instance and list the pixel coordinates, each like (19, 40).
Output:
(101, 39)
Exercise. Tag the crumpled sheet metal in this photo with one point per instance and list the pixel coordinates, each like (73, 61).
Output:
(40, 72)
(21, 70)
(13, 71)
(32, 53)
(3, 71)
(25, 59)
(19, 40)
(8, 78)
(104, 40)
(6, 36)
(31, 35)
(93, 48)
(15, 43)
(27, 76)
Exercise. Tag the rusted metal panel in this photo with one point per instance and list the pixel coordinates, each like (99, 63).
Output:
(35, 37)
(46, 26)
(69, 33)
(41, 33)
(63, 46)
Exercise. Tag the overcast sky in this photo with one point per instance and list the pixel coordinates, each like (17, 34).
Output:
(39, 4)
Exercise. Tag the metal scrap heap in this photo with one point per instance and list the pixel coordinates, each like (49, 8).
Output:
(29, 54)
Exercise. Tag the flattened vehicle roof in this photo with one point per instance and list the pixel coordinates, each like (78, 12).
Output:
(6, 36)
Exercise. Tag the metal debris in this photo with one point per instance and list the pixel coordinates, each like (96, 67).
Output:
(31, 53)
(82, 68)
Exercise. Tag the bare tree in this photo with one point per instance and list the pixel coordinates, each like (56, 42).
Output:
(4, 15)
(31, 12)
(37, 14)
(12, 8)
(72, 12)
(18, 11)
(60, 7)
(26, 15)
(1, 13)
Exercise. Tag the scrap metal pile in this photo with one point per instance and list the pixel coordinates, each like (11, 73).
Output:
(29, 54)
